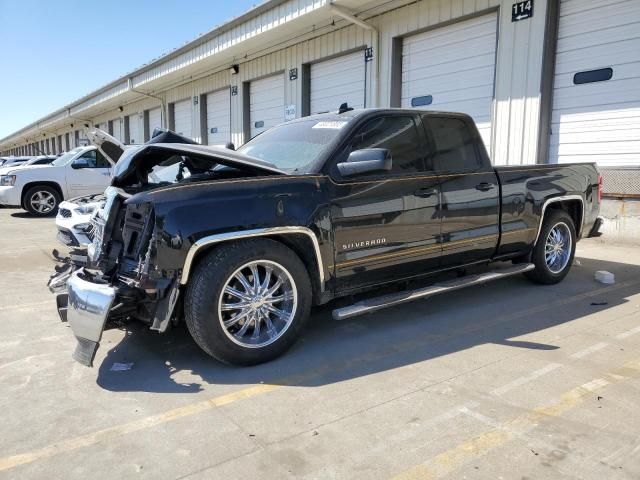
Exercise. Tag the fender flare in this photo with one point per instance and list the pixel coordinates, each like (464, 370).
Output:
(260, 232)
(563, 198)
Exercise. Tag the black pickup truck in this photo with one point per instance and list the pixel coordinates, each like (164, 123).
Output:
(241, 244)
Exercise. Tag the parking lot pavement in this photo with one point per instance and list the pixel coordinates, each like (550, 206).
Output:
(507, 380)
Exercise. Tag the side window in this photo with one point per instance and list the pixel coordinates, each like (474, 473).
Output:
(454, 144)
(90, 157)
(399, 135)
(101, 161)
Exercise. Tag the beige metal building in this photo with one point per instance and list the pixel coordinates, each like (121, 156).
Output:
(545, 80)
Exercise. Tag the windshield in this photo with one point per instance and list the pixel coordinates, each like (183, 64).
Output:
(294, 147)
(64, 159)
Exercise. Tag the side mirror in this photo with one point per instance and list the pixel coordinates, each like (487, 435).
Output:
(80, 163)
(365, 161)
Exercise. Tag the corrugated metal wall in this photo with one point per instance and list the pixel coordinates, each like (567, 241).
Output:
(516, 106)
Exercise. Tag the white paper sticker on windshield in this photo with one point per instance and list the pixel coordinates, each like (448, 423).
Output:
(332, 125)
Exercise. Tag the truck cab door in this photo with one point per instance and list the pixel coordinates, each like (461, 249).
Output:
(470, 194)
(385, 224)
(89, 173)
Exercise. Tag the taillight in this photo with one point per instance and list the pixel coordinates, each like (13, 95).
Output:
(599, 188)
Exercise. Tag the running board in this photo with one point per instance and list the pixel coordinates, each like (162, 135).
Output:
(378, 303)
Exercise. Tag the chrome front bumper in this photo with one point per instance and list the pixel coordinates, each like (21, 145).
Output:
(86, 310)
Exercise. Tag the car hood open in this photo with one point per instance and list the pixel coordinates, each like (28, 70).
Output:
(109, 146)
(144, 157)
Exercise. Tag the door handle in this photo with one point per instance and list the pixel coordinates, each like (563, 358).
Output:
(425, 192)
(484, 186)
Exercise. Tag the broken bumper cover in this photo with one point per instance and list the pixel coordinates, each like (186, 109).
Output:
(88, 306)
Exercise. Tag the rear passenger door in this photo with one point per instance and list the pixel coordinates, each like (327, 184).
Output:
(470, 194)
(386, 224)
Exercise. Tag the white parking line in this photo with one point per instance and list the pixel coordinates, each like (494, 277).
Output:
(525, 379)
(589, 350)
(628, 333)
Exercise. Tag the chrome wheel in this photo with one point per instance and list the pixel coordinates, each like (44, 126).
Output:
(43, 201)
(257, 304)
(557, 249)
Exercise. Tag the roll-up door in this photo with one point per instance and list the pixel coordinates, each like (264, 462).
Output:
(596, 92)
(134, 129)
(453, 69)
(182, 117)
(218, 117)
(117, 128)
(266, 103)
(155, 120)
(337, 80)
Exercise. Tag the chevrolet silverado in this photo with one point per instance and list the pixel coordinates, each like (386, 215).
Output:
(241, 244)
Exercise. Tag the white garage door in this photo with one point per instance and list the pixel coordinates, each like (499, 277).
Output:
(218, 117)
(182, 117)
(134, 129)
(596, 94)
(155, 120)
(452, 69)
(266, 103)
(117, 128)
(336, 81)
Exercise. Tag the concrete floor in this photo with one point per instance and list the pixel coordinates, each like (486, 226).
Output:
(508, 380)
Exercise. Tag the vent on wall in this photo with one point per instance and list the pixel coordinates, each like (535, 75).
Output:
(421, 101)
(591, 76)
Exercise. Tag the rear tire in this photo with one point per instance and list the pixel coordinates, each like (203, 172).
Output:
(41, 201)
(268, 318)
(554, 251)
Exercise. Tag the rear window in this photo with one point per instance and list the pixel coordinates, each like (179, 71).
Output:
(455, 148)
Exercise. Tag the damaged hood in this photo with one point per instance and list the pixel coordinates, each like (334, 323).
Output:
(141, 160)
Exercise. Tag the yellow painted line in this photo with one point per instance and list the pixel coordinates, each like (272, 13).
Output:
(134, 426)
(452, 459)
(93, 438)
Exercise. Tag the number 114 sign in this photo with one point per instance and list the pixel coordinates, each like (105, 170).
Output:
(521, 10)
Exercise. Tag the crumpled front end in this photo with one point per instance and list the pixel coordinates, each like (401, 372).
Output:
(116, 280)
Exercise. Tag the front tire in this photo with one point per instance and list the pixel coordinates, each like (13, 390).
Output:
(554, 251)
(41, 201)
(247, 302)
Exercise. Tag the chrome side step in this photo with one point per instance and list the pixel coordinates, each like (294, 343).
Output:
(384, 301)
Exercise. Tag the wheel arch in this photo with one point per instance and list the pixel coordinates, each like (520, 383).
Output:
(301, 240)
(572, 204)
(47, 183)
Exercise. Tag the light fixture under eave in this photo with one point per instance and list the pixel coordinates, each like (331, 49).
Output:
(234, 69)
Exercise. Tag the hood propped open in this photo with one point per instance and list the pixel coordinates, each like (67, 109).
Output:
(135, 161)
(109, 146)
(138, 163)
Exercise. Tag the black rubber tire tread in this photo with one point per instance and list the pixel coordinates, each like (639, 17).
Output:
(542, 274)
(41, 188)
(203, 292)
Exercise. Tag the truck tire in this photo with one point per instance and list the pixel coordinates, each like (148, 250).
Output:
(248, 301)
(554, 251)
(41, 200)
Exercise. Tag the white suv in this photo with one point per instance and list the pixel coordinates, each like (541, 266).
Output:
(40, 188)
